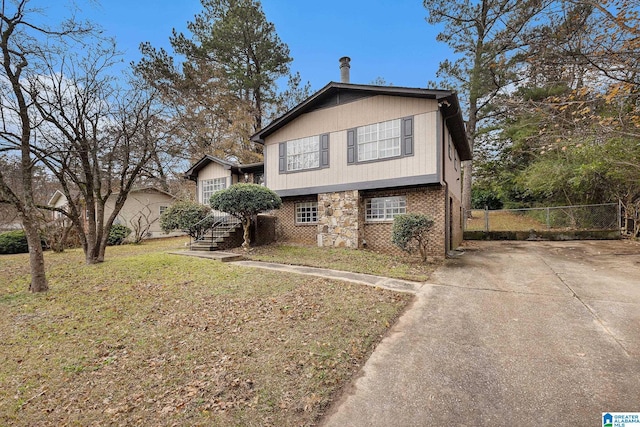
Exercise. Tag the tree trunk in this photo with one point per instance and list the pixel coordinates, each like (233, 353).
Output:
(246, 225)
(103, 247)
(467, 166)
(467, 175)
(36, 257)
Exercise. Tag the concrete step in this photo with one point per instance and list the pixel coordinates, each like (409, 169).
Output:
(218, 255)
(212, 240)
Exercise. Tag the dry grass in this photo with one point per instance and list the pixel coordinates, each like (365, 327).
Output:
(504, 221)
(149, 338)
(359, 261)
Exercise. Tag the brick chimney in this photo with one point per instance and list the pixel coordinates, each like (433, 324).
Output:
(344, 69)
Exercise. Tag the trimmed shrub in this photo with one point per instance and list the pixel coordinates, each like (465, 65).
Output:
(14, 242)
(411, 231)
(117, 234)
(184, 216)
(244, 201)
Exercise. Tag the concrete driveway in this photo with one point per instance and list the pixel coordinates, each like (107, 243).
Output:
(510, 333)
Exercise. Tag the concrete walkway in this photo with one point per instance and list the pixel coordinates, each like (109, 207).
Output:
(398, 285)
(364, 279)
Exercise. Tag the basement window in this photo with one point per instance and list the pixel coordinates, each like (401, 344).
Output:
(306, 213)
(385, 208)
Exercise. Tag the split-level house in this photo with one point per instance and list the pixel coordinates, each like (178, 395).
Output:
(351, 157)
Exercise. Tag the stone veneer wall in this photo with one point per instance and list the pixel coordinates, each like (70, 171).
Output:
(286, 229)
(338, 219)
(427, 200)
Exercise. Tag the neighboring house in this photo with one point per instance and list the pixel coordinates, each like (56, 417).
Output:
(351, 157)
(212, 174)
(142, 208)
(59, 200)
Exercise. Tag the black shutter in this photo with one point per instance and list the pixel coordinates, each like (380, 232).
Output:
(324, 150)
(351, 146)
(282, 157)
(407, 136)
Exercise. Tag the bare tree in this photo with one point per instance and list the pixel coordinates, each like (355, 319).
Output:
(141, 223)
(22, 44)
(96, 138)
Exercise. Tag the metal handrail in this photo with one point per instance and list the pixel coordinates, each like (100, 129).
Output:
(209, 228)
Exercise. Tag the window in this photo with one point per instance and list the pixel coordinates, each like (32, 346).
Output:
(303, 153)
(306, 212)
(455, 161)
(210, 186)
(450, 148)
(385, 208)
(163, 208)
(379, 140)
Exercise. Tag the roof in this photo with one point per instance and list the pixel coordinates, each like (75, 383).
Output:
(58, 194)
(332, 93)
(192, 173)
(149, 188)
(52, 201)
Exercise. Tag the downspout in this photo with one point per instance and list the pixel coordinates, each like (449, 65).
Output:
(447, 214)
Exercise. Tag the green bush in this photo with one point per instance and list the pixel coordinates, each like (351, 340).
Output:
(244, 201)
(117, 234)
(483, 197)
(184, 216)
(13, 242)
(411, 231)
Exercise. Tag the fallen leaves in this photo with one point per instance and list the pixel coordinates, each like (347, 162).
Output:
(180, 348)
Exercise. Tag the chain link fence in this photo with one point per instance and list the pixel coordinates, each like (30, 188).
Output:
(584, 217)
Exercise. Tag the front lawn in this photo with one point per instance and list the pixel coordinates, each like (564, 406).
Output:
(405, 266)
(149, 338)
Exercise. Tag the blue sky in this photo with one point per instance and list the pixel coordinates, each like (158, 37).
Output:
(388, 39)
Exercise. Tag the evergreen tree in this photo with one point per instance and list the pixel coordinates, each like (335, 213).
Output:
(487, 36)
(226, 84)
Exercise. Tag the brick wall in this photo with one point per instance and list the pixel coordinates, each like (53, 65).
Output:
(430, 200)
(427, 200)
(286, 228)
(264, 231)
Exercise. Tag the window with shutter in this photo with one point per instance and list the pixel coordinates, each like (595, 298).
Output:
(305, 153)
(380, 141)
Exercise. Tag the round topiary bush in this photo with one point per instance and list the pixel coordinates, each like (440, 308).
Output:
(14, 242)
